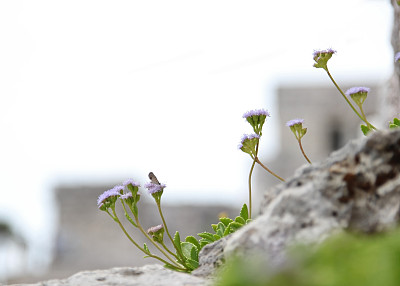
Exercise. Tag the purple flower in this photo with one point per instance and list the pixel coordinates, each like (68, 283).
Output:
(397, 57)
(155, 229)
(126, 196)
(154, 188)
(247, 137)
(114, 192)
(292, 122)
(355, 90)
(132, 182)
(317, 53)
(256, 112)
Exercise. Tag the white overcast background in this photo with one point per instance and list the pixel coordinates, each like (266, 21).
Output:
(99, 91)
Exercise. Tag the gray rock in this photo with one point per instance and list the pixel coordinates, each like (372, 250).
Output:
(148, 275)
(357, 188)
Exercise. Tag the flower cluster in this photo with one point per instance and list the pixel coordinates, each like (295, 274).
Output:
(256, 118)
(321, 58)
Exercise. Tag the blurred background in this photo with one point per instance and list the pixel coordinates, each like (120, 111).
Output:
(94, 92)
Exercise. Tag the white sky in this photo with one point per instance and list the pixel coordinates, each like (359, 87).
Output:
(96, 91)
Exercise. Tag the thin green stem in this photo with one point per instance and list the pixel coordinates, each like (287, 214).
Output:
(250, 174)
(347, 100)
(268, 170)
(368, 124)
(167, 231)
(149, 237)
(302, 151)
(167, 249)
(115, 217)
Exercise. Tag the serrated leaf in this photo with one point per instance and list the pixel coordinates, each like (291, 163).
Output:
(190, 253)
(214, 226)
(220, 229)
(240, 220)
(216, 237)
(227, 230)
(193, 240)
(244, 212)
(204, 242)
(194, 254)
(225, 220)
(234, 226)
(193, 264)
(177, 241)
(365, 129)
(206, 235)
(146, 249)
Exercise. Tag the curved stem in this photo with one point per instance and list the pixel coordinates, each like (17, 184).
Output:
(347, 100)
(368, 124)
(137, 245)
(167, 249)
(148, 237)
(268, 170)
(302, 151)
(250, 174)
(167, 231)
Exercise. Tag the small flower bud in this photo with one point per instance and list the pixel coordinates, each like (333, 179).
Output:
(256, 118)
(296, 125)
(358, 94)
(321, 58)
(249, 143)
(157, 232)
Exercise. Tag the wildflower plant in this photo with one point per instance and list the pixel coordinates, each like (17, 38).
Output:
(184, 255)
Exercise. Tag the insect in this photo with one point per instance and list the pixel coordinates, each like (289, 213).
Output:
(153, 178)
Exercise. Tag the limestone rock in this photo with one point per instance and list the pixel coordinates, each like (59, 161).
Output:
(357, 187)
(148, 275)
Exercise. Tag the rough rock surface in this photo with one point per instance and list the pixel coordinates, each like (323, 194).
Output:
(148, 275)
(357, 187)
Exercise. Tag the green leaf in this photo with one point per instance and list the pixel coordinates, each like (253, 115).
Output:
(146, 249)
(177, 241)
(216, 236)
(190, 252)
(365, 129)
(396, 121)
(194, 254)
(214, 226)
(225, 220)
(204, 242)
(220, 229)
(227, 230)
(193, 240)
(244, 212)
(234, 226)
(249, 220)
(240, 220)
(206, 235)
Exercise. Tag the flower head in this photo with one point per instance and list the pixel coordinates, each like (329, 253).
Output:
(296, 126)
(321, 57)
(256, 118)
(248, 144)
(130, 182)
(108, 198)
(292, 122)
(397, 57)
(157, 232)
(126, 196)
(154, 188)
(358, 94)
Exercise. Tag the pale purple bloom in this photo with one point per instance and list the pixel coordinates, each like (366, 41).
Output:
(292, 122)
(247, 137)
(132, 182)
(355, 90)
(107, 194)
(154, 229)
(154, 188)
(397, 57)
(317, 53)
(256, 112)
(126, 196)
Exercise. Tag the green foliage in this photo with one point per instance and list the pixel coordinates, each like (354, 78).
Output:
(224, 227)
(365, 129)
(347, 259)
(395, 123)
